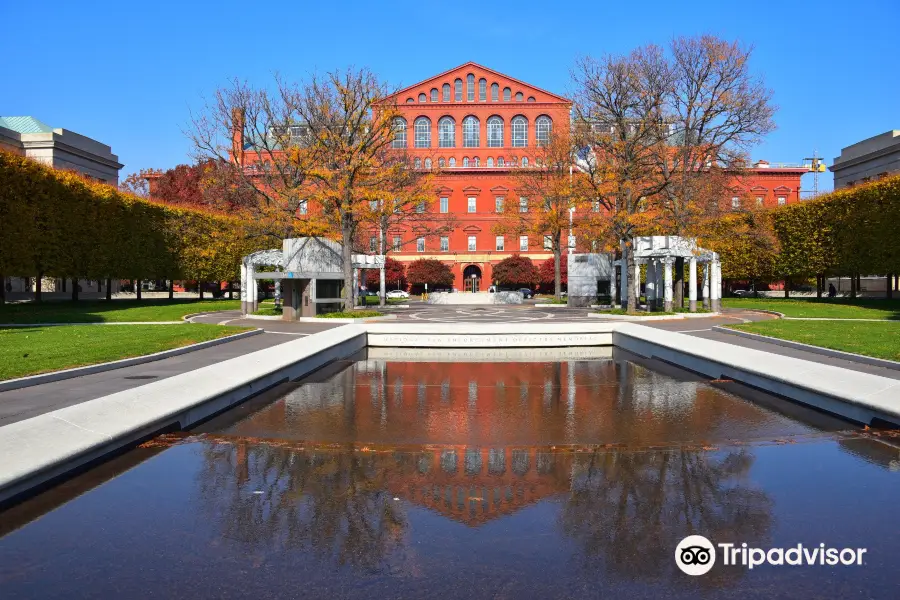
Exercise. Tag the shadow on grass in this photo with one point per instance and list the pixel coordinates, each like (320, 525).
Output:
(891, 306)
(101, 311)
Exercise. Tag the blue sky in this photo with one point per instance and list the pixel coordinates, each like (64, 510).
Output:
(128, 73)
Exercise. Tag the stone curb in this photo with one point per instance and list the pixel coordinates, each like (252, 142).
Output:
(868, 360)
(554, 306)
(345, 321)
(23, 382)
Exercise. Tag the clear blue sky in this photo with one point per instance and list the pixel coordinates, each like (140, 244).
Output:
(128, 73)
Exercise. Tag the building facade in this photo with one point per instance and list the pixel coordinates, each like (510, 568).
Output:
(868, 160)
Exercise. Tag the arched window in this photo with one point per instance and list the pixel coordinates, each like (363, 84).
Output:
(441, 162)
(482, 89)
(524, 161)
(434, 95)
(423, 98)
(447, 133)
(519, 127)
(410, 100)
(446, 92)
(495, 92)
(399, 133)
(465, 161)
(519, 97)
(423, 132)
(476, 162)
(470, 87)
(507, 94)
(500, 162)
(457, 90)
(471, 127)
(531, 98)
(452, 162)
(427, 163)
(418, 163)
(495, 132)
(490, 162)
(542, 127)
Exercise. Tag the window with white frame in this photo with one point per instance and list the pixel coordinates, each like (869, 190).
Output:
(542, 128)
(500, 242)
(498, 204)
(476, 162)
(465, 161)
(304, 207)
(490, 161)
(482, 89)
(441, 162)
(735, 202)
(373, 244)
(447, 132)
(495, 92)
(427, 163)
(420, 207)
(417, 163)
(434, 94)
(548, 242)
(523, 205)
(519, 97)
(445, 204)
(500, 162)
(422, 127)
(420, 244)
(759, 201)
(445, 92)
(471, 244)
(519, 129)
(523, 243)
(524, 161)
(472, 203)
(452, 162)
(445, 244)
(457, 91)
(471, 132)
(782, 200)
(495, 132)
(423, 98)
(397, 243)
(399, 133)
(470, 87)
(507, 94)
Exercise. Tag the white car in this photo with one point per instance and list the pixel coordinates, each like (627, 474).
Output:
(397, 294)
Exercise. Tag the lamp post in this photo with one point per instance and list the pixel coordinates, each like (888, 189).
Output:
(474, 277)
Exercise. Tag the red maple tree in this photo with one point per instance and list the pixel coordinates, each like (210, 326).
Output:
(516, 270)
(394, 276)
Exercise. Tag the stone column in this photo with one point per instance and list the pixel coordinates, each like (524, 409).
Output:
(706, 302)
(244, 295)
(667, 284)
(277, 292)
(660, 286)
(637, 285)
(382, 287)
(715, 285)
(612, 284)
(692, 285)
(651, 284)
(624, 284)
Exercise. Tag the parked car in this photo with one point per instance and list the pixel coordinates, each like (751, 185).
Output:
(526, 293)
(397, 294)
(743, 293)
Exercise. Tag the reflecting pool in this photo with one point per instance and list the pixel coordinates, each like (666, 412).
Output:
(419, 474)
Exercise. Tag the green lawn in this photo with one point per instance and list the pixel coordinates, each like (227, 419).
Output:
(881, 340)
(112, 311)
(373, 300)
(356, 314)
(32, 350)
(837, 308)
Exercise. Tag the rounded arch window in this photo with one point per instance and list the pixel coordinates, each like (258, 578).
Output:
(482, 89)
(399, 127)
(447, 132)
(500, 162)
(519, 97)
(418, 163)
(470, 87)
(519, 130)
(490, 162)
(524, 161)
(531, 98)
(471, 127)
(422, 98)
(423, 132)
(476, 162)
(445, 89)
(434, 94)
(495, 132)
(542, 128)
(507, 94)
(410, 100)
(465, 161)
(427, 163)
(457, 90)
(452, 162)
(495, 92)
(441, 162)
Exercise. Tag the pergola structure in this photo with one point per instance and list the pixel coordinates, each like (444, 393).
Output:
(659, 253)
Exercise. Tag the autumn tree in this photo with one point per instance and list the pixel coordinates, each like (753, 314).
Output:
(620, 104)
(715, 111)
(429, 271)
(135, 184)
(394, 274)
(548, 273)
(556, 199)
(516, 270)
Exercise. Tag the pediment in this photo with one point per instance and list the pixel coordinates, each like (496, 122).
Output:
(444, 190)
(471, 190)
(472, 229)
(782, 188)
(499, 189)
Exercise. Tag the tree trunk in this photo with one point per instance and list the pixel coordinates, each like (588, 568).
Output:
(820, 283)
(2, 289)
(171, 289)
(678, 284)
(889, 286)
(109, 289)
(633, 274)
(200, 288)
(74, 290)
(137, 288)
(230, 290)
(853, 286)
(787, 287)
(557, 275)
(755, 289)
(38, 292)
(858, 283)
(347, 256)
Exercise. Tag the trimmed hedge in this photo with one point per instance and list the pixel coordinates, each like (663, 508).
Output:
(57, 223)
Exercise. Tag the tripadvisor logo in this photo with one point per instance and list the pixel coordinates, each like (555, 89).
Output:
(696, 555)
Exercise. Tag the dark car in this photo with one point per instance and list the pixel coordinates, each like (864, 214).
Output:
(526, 293)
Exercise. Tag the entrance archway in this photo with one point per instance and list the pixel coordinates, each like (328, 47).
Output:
(472, 278)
